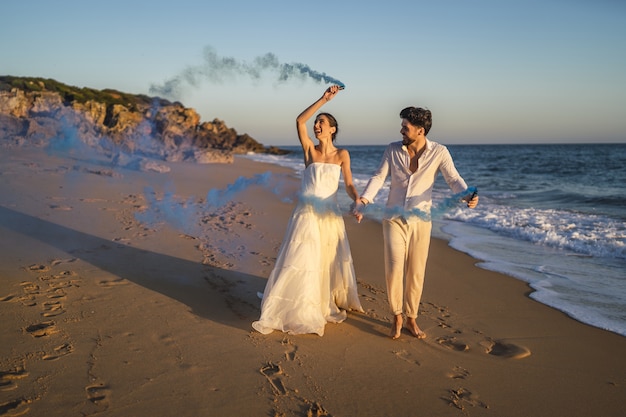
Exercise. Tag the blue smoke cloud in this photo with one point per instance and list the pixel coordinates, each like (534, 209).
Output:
(216, 69)
(436, 211)
(139, 150)
(183, 215)
(68, 143)
(217, 198)
(186, 214)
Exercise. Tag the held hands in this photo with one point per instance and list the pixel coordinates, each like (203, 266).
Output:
(357, 210)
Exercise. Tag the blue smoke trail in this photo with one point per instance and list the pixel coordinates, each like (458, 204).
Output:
(289, 70)
(186, 215)
(68, 143)
(139, 150)
(183, 215)
(320, 205)
(218, 198)
(216, 69)
(437, 211)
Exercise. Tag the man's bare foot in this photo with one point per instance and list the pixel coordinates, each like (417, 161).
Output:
(396, 327)
(412, 326)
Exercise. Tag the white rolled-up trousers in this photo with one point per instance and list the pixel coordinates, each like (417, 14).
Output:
(406, 252)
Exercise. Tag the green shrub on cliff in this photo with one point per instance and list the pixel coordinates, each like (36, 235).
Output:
(75, 94)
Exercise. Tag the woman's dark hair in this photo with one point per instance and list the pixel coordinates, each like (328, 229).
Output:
(332, 122)
(418, 117)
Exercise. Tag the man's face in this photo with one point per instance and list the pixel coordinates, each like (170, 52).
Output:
(409, 132)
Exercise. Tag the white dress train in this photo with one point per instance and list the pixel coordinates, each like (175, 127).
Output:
(313, 281)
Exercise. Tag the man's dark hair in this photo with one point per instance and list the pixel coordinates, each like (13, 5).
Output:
(418, 117)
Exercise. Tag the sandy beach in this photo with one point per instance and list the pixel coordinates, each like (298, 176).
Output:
(104, 315)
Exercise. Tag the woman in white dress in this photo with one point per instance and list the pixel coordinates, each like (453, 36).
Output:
(313, 281)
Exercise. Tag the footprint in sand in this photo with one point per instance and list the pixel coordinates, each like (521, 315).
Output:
(316, 410)
(28, 300)
(15, 407)
(290, 353)
(45, 278)
(505, 350)
(42, 329)
(442, 315)
(55, 293)
(367, 298)
(52, 309)
(7, 298)
(452, 343)
(64, 284)
(459, 373)
(38, 268)
(53, 281)
(272, 372)
(113, 283)
(462, 397)
(56, 262)
(166, 340)
(60, 207)
(265, 261)
(64, 274)
(59, 351)
(405, 356)
(374, 290)
(98, 394)
(30, 288)
(8, 378)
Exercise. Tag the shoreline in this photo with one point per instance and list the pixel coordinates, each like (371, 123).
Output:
(103, 314)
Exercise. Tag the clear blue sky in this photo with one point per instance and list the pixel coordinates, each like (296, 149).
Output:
(491, 71)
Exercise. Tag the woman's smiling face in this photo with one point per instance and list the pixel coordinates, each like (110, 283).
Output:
(322, 127)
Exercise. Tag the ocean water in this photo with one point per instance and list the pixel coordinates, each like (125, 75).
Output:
(553, 216)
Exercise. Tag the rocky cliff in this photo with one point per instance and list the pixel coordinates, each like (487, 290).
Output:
(37, 111)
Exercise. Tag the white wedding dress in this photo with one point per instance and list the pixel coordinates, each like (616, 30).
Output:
(313, 281)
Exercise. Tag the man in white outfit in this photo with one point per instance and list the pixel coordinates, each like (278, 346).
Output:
(413, 165)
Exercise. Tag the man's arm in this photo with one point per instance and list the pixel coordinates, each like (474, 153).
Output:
(455, 181)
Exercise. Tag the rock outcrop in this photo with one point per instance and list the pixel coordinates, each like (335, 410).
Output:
(39, 111)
